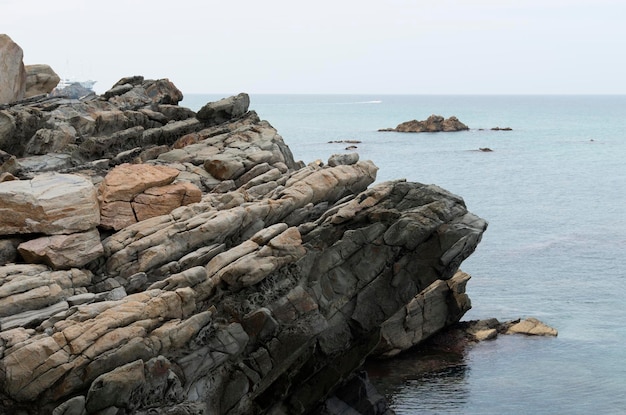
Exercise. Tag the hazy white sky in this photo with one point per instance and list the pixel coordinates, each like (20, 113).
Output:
(331, 46)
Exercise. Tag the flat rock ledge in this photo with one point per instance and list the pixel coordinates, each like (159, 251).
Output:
(158, 261)
(433, 124)
(458, 336)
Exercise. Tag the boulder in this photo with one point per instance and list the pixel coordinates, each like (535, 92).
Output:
(434, 123)
(532, 326)
(40, 79)
(226, 109)
(12, 71)
(50, 204)
(134, 192)
(63, 251)
(126, 181)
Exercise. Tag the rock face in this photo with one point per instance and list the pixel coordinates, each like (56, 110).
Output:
(440, 305)
(12, 71)
(40, 79)
(187, 263)
(434, 123)
(134, 192)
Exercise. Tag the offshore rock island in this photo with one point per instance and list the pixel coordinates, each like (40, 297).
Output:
(157, 260)
(433, 124)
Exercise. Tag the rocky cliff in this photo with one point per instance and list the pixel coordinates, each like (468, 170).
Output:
(154, 260)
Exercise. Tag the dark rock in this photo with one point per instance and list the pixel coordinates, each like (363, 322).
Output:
(434, 123)
(357, 396)
(224, 110)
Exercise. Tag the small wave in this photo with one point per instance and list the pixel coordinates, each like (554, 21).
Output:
(376, 101)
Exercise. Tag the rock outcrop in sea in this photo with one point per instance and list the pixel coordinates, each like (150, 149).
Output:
(433, 124)
(157, 260)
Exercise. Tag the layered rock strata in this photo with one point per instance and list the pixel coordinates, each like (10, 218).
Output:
(231, 279)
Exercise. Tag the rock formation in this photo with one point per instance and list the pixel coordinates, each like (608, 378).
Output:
(12, 71)
(434, 123)
(40, 79)
(155, 260)
(460, 335)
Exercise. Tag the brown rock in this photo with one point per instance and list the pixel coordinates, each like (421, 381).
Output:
(162, 200)
(40, 79)
(50, 204)
(434, 123)
(117, 215)
(126, 181)
(12, 71)
(532, 326)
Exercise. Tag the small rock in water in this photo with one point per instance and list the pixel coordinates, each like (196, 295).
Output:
(532, 326)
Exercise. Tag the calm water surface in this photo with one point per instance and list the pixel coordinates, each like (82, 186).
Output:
(554, 193)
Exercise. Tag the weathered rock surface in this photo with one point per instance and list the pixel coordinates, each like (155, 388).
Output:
(224, 110)
(134, 192)
(246, 282)
(532, 327)
(40, 79)
(50, 204)
(63, 251)
(440, 305)
(12, 71)
(434, 123)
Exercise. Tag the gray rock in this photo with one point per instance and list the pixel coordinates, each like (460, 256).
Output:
(343, 159)
(224, 110)
(31, 318)
(73, 406)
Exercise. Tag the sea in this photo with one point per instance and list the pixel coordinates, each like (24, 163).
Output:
(553, 190)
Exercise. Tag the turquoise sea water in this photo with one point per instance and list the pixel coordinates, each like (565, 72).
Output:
(554, 193)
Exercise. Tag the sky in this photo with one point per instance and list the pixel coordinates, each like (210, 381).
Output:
(331, 46)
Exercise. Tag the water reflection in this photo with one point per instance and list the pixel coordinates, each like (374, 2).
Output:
(422, 381)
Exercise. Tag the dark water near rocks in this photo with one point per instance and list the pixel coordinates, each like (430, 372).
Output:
(554, 192)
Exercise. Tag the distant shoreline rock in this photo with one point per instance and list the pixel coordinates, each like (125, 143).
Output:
(433, 124)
